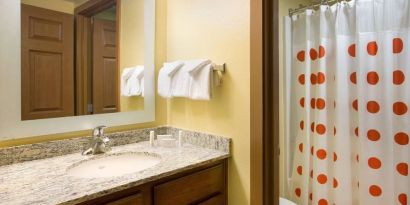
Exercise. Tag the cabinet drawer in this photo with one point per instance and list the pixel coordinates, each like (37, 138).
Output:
(192, 188)
(140, 195)
(137, 199)
(216, 200)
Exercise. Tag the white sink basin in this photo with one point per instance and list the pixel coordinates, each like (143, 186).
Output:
(113, 165)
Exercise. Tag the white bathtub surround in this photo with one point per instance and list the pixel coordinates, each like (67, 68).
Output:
(283, 201)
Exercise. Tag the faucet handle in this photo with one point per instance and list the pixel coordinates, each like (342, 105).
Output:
(106, 140)
(99, 131)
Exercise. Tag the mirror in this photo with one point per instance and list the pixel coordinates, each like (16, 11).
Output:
(11, 124)
(82, 57)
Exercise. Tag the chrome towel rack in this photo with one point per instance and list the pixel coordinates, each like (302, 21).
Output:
(221, 68)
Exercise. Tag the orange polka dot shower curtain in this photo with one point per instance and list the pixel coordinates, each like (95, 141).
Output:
(349, 104)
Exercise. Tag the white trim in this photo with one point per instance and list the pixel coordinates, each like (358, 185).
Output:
(287, 61)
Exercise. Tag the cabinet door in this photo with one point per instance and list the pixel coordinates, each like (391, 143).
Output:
(137, 199)
(47, 71)
(105, 67)
(191, 189)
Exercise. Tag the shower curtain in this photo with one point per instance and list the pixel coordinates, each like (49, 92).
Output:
(349, 104)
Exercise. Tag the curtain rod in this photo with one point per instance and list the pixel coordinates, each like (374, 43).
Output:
(302, 7)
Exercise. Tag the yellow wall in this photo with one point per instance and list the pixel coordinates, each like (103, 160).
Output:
(56, 5)
(219, 30)
(284, 6)
(132, 45)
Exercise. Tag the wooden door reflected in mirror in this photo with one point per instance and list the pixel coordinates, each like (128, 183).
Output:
(81, 61)
(105, 66)
(47, 48)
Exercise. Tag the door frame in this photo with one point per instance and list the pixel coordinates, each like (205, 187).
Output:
(264, 102)
(83, 48)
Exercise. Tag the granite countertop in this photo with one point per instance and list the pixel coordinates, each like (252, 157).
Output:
(45, 181)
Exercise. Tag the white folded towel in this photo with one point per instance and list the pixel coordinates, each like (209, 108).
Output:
(165, 75)
(189, 79)
(139, 69)
(125, 75)
(164, 84)
(180, 83)
(171, 68)
(194, 66)
(200, 85)
(134, 82)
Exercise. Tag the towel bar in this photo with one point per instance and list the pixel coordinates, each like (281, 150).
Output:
(221, 68)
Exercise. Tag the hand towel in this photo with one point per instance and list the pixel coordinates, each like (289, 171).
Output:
(171, 68)
(193, 66)
(165, 75)
(125, 76)
(200, 85)
(180, 83)
(164, 84)
(139, 69)
(134, 82)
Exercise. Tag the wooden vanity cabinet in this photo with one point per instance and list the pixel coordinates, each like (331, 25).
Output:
(136, 199)
(205, 185)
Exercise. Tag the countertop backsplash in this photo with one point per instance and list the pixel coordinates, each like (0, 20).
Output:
(29, 152)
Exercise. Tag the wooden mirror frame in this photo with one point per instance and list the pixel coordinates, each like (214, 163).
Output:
(83, 48)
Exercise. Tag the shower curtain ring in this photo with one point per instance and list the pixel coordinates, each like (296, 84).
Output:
(312, 7)
(328, 5)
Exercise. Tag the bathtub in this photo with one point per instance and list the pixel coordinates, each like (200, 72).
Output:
(283, 201)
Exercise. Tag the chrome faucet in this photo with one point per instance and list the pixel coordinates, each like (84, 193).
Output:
(98, 143)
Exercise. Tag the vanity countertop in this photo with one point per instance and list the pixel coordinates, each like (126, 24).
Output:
(45, 181)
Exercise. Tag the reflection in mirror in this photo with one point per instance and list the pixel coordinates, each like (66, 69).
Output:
(81, 57)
